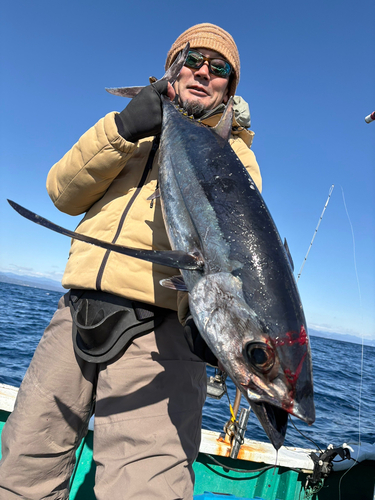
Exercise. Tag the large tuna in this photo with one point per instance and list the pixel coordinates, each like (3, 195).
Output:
(244, 300)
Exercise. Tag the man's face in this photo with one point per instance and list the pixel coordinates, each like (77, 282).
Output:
(201, 86)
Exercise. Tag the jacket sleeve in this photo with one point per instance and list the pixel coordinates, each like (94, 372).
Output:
(248, 159)
(84, 174)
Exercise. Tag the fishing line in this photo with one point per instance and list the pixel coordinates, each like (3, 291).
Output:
(362, 350)
(354, 254)
(303, 435)
(361, 315)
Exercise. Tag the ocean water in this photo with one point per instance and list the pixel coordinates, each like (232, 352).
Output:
(344, 394)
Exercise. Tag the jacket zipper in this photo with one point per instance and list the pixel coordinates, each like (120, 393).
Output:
(148, 167)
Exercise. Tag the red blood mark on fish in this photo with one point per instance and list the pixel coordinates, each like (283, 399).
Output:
(301, 339)
(293, 337)
(293, 377)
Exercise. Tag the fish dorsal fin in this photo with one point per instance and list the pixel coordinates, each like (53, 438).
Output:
(286, 246)
(171, 75)
(174, 283)
(224, 127)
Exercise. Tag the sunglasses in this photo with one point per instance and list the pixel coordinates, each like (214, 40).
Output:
(216, 66)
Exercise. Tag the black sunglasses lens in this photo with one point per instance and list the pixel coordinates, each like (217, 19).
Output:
(217, 67)
(220, 67)
(194, 60)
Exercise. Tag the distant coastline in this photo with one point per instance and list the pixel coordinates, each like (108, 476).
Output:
(341, 337)
(48, 284)
(31, 281)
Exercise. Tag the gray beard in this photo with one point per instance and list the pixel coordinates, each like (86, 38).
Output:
(194, 108)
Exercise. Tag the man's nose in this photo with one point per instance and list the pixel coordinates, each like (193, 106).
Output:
(204, 70)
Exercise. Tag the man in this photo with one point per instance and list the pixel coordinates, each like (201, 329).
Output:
(147, 387)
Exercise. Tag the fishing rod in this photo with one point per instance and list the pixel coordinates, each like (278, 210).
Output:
(368, 119)
(316, 230)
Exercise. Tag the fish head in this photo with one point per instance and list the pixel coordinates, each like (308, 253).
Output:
(280, 382)
(270, 364)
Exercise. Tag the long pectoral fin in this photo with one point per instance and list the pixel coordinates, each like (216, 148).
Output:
(173, 258)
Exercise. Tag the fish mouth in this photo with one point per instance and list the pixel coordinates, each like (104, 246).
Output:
(274, 418)
(274, 421)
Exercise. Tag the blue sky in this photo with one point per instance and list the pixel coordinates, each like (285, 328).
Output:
(308, 73)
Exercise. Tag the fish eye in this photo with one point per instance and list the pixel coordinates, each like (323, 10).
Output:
(261, 356)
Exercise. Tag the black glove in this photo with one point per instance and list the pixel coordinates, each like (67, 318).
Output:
(142, 117)
(196, 343)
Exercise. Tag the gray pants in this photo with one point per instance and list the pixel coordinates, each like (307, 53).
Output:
(148, 407)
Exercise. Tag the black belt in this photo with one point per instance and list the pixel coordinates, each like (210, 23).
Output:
(105, 324)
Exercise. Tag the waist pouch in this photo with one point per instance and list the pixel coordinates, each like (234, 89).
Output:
(105, 324)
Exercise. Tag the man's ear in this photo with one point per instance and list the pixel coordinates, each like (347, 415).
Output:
(226, 95)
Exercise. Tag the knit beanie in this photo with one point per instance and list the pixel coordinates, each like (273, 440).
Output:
(209, 36)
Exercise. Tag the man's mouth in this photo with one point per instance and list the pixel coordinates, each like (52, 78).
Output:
(198, 91)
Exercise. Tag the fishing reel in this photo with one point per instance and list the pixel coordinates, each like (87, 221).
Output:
(323, 464)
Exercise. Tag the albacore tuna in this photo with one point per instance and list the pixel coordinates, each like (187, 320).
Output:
(242, 292)
(244, 300)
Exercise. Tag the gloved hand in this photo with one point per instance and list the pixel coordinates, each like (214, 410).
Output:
(196, 343)
(142, 117)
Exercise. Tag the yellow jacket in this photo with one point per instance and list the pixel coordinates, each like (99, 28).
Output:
(101, 175)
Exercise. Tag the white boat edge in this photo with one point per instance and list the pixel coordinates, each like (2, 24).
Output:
(8, 395)
(251, 451)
